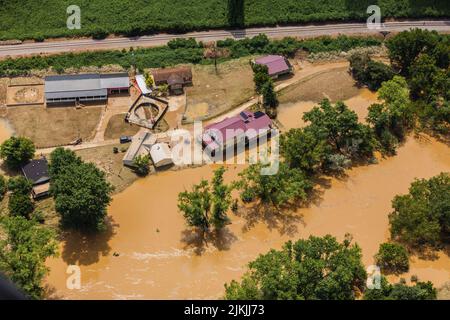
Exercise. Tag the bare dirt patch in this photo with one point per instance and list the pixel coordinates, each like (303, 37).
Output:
(26, 94)
(335, 85)
(49, 127)
(214, 93)
(118, 127)
(111, 163)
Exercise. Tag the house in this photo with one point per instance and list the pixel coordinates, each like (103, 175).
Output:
(140, 145)
(37, 172)
(245, 127)
(161, 154)
(276, 65)
(175, 78)
(84, 87)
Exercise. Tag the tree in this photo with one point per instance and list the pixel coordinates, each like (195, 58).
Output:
(368, 72)
(3, 187)
(20, 185)
(401, 291)
(142, 164)
(269, 95)
(81, 195)
(406, 46)
(20, 205)
(221, 199)
(338, 125)
(302, 149)
(19, 202)
(316, 268)
(23, 252)
(394, 116)
(278, 189)
(260, 76)
(392, 258)
(17, 151)
(423, 73)
(422, 217)
(149, 82)
(206, 204)
(61, 158)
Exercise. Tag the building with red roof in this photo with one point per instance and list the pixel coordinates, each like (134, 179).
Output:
(276, 65)
(243, 128)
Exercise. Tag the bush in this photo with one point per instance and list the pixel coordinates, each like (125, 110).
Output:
(392, 258)
(368, 72)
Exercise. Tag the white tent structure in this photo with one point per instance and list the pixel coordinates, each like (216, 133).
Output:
(161, 154)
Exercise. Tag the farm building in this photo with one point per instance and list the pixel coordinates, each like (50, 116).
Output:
(161, 154)
(84, 87)
(175, 78)
(37, 172)
(140, 145)
(245, 127)
(276, 65)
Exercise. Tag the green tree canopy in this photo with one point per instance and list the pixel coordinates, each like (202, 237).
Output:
(142, 163)
(207, 204)
(3, 186)
(339, 126)
(23, 252)
(392, 258)
(422, 217)
(316, 268)
(17, 151)
(61, 158)
(401, 291)
(279, 189)
(82, 195)
(302, 149)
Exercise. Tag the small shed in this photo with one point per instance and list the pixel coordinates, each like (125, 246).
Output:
(175, 78)
(161, 154)
(37, 172)
(140, 80)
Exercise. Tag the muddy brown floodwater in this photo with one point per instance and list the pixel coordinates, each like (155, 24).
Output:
(149, 252)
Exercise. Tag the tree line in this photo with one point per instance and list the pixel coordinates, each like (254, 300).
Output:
(138, 17)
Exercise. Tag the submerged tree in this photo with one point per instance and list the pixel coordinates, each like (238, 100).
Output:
(23, 252)
(392, 258)
(142, 163)
(278, 189)
(316, 268)
(206, 205)
(401, 291)
(422, 217)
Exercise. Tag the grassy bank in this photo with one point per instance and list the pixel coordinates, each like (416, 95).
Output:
(179, 52)
(44, 19)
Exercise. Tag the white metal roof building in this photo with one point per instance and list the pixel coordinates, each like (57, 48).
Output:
(140, 80)
(161, 154)
(84, 87)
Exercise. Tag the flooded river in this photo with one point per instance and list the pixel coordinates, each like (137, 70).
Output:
(149, 253)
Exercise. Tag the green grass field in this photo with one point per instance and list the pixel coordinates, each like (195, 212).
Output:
(38, 19)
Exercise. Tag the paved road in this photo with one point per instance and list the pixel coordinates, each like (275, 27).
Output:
(58, 46)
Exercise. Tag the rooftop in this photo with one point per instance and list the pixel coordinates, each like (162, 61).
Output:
(68, 86)
(37, 171)
(274, 63)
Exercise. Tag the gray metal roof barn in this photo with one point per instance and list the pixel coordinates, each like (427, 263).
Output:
(84, 87)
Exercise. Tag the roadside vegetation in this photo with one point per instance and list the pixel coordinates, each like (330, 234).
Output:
(179, 51)
(100, 18)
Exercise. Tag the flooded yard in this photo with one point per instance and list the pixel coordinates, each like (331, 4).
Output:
(149, 253)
